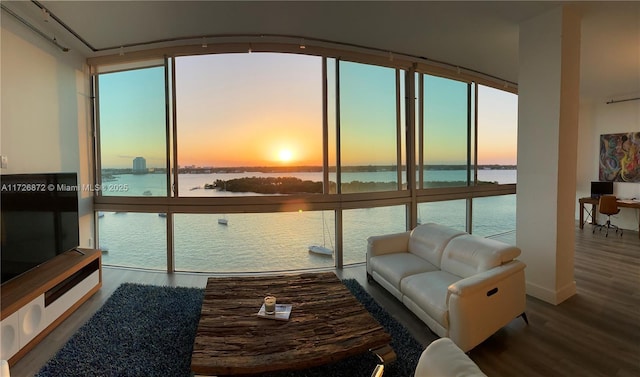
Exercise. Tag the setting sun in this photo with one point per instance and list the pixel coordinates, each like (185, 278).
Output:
(285, 155)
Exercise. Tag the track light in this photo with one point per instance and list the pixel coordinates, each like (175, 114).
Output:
(302, 45)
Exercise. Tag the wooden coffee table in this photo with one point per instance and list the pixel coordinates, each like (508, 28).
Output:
(327, 324)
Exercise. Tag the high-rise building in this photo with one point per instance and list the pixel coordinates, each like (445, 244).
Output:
(140, 165)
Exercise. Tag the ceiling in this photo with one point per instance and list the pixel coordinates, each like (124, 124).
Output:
(478, 35)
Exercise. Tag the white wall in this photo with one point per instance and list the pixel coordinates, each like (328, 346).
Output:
(44, 111)
(597, 118)
(615, 65)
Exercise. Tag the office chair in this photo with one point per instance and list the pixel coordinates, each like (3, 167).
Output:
(607, 205)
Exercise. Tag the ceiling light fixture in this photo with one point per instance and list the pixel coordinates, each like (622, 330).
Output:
(121, 50)
(250, 50)
(204, 43)
(302, 45)
(390, 56)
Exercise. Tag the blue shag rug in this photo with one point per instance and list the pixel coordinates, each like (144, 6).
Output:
(145, 330)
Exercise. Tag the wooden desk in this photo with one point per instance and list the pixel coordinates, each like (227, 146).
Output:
(594, 209)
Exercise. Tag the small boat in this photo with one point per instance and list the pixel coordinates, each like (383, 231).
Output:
(322, 250)
(316, 249)
(162, 214)
(223, 221)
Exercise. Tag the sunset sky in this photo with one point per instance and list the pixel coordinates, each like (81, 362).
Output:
(266, 109)
(244, 109)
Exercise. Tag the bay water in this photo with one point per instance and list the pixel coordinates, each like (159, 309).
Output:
(265, 242)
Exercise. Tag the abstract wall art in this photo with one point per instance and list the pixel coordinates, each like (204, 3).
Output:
(620, 157)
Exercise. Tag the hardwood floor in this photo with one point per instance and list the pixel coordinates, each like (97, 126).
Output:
(594, 333)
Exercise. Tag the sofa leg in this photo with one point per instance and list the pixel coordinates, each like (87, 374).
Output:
(524, 316)
(369, 278)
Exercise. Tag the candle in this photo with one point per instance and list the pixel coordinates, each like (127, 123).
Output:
(270, 305)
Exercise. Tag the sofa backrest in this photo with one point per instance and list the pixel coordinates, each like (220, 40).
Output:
(468, 255)
(429, 240)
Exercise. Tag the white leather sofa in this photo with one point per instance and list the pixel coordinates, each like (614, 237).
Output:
(442, 358)
(4, 369)
(462, 286)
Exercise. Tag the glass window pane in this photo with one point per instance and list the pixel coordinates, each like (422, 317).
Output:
(360, 224)
(451, 213)
(497, 135)
(133, 239)
(242, 116)
(494, 215)
(445, 132)
(133, 135)
(256, 242)
(368, 128)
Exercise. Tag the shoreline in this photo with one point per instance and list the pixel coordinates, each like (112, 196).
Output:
(300, 169)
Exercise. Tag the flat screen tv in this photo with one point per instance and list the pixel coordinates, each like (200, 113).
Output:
(601, 188)
(39, 219)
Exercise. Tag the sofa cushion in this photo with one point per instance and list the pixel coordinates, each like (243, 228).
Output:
(429, 240)
(468, 255)
(429, 290)
(395, 267)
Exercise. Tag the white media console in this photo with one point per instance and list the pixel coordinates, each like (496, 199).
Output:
(34, 303)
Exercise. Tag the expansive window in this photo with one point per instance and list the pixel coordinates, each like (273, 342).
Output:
(253, 242)
(452, 213)
(466, 137)
(360, 224)
(249, 124)
(498, 135)
(445, 132)
(494, 215)
(133, 239)
(368, 128)
(133, 132)
(240, 162)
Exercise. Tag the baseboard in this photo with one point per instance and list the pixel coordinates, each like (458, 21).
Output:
(566, 292)
(553, 297)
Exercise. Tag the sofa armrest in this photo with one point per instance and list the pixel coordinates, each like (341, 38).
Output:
(387, 244)
(480, 305)
(485, 281)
